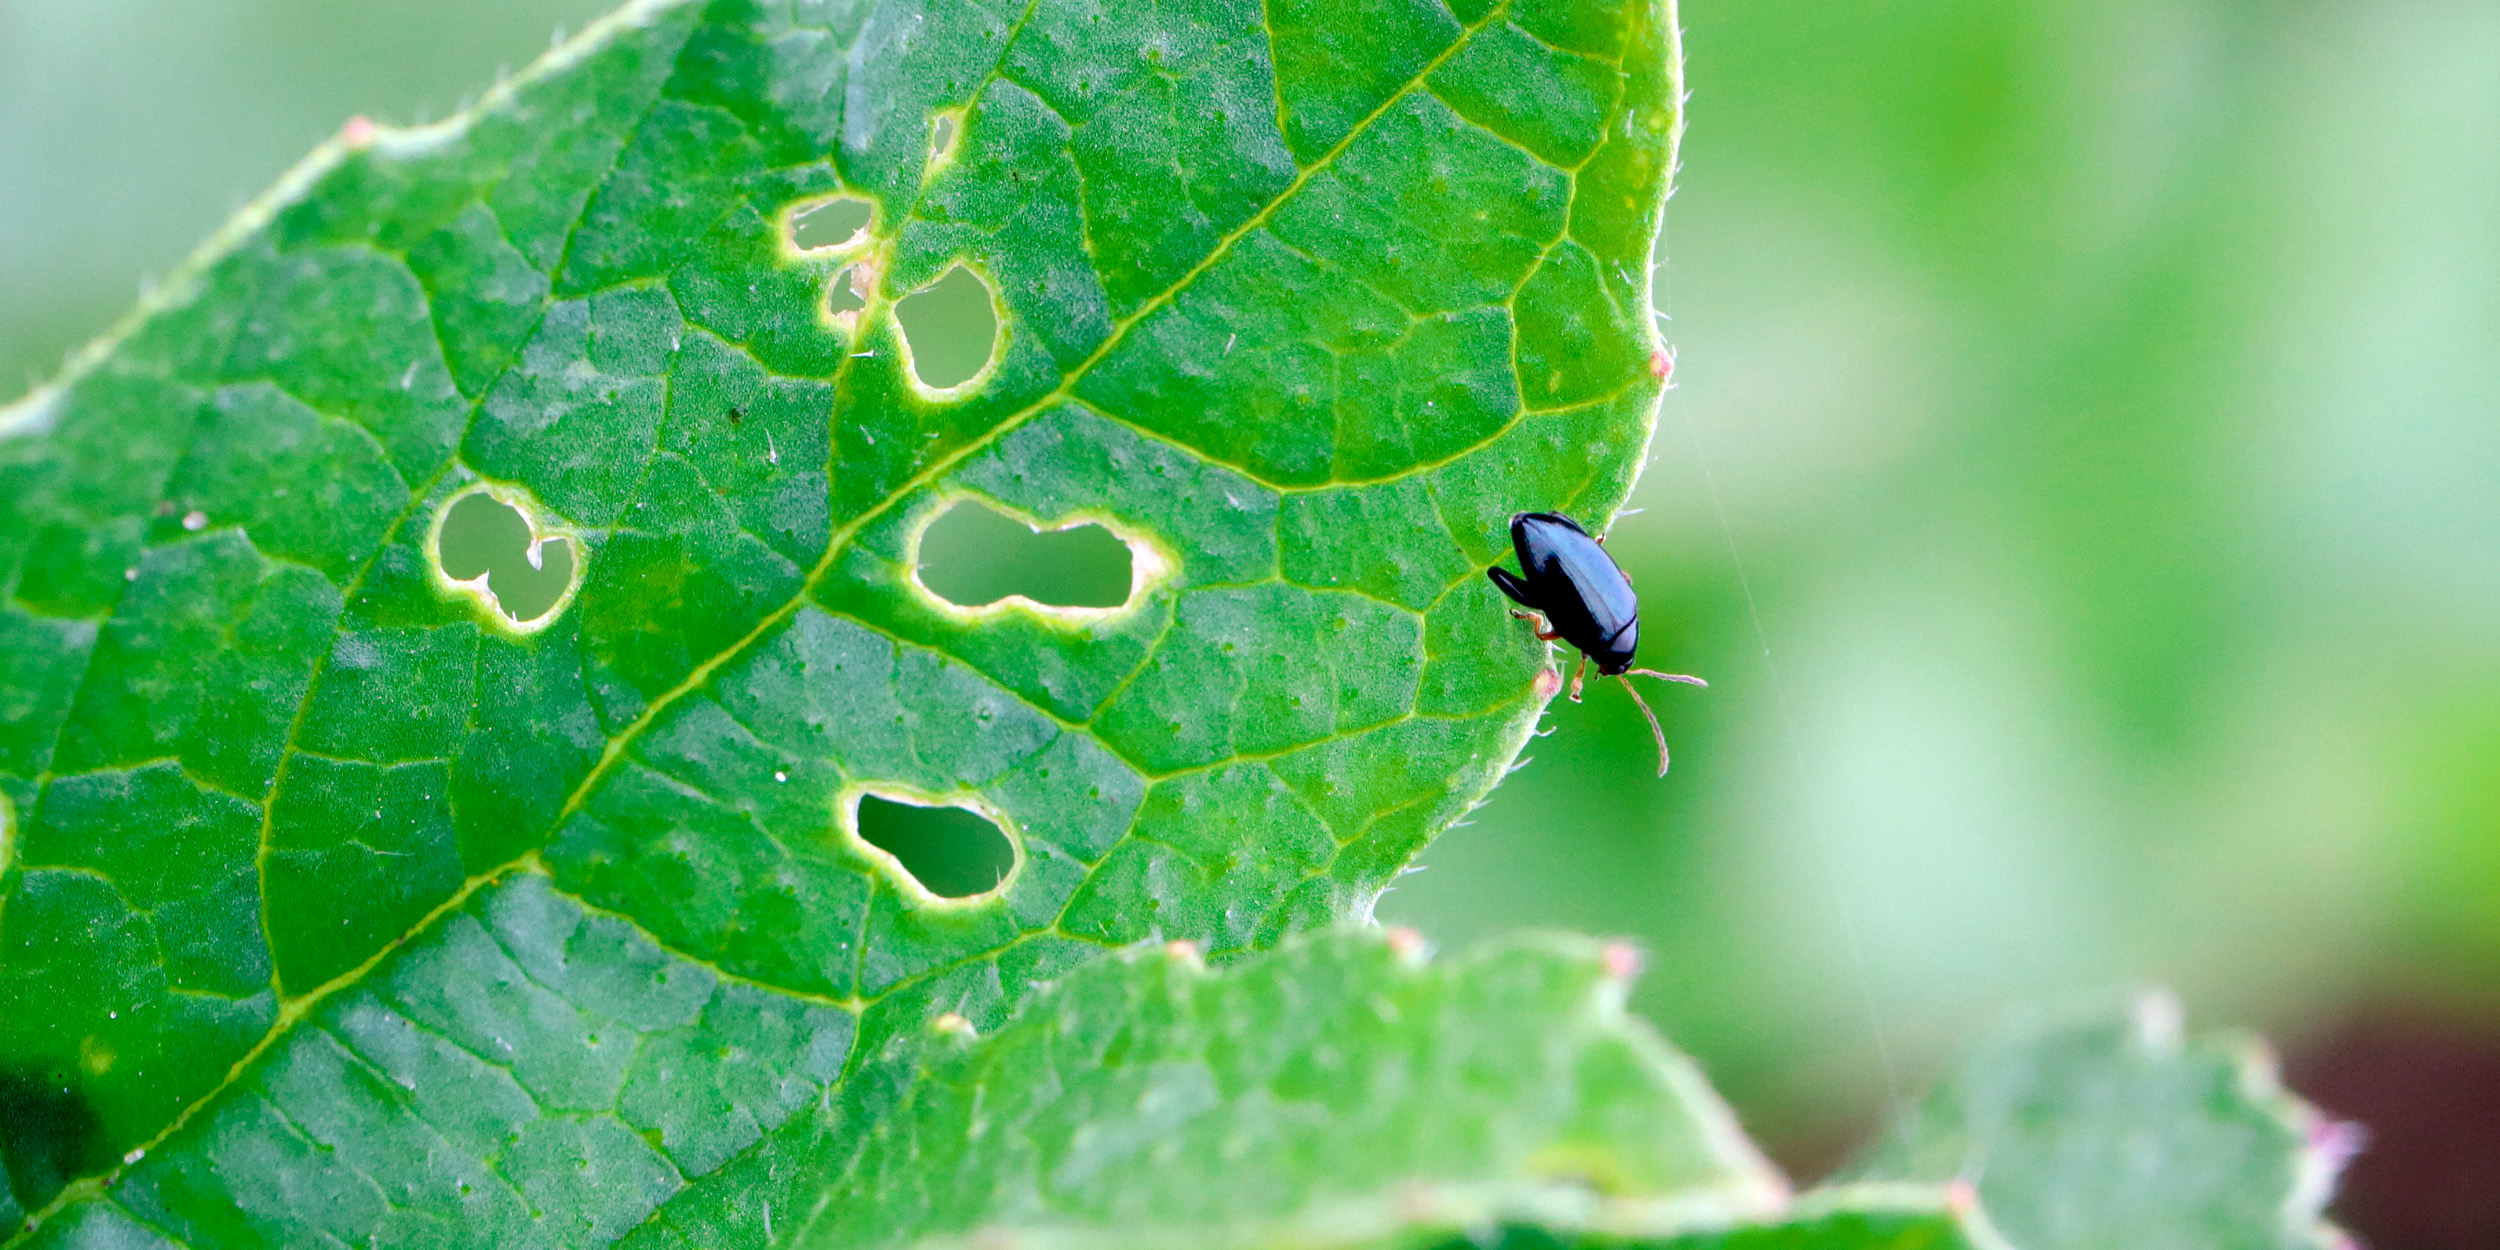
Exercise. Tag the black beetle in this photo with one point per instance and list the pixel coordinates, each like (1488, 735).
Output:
(1586, 601)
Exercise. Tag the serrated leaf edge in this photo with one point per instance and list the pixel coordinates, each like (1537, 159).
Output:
(2326, 1143)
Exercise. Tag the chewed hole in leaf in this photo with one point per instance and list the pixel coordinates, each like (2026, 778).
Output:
(950, 329)
(951, 852)
(845, 295)
(831, 225)
(975, 555)
(943, 128)
(486, 545)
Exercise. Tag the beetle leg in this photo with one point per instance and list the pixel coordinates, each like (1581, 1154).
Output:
(1544, 631)
(1578, 676)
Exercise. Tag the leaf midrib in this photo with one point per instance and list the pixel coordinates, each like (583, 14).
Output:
(839, 541)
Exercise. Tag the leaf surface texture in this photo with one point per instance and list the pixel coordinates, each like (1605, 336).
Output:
(338, 904)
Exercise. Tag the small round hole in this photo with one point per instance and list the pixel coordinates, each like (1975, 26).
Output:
(845, 295)
(975, 555)
(950, 328)
(951, 852)
(942, 131)
(484, 537)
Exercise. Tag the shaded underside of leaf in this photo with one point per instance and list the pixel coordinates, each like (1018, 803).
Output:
(2108, 1127)
(337, 903)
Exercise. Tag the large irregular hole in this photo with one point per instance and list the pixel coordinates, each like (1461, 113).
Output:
(951, 852)
(483, 536)
(832, 224)
(950, 327)
(976, 555)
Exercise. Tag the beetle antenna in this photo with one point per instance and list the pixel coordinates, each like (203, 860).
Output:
(1643, 704)
(1652, 718)
(1682, 677)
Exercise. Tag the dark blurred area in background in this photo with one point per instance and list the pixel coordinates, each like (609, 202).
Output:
(2082, 490)
(2427, 1083)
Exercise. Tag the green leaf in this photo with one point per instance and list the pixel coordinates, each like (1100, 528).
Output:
(359, 889)
(1872, 1218)
(1862, 1217)
(1339, 1090)
(2107, 1129)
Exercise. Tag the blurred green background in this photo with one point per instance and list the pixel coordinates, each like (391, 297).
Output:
(2082, 490)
